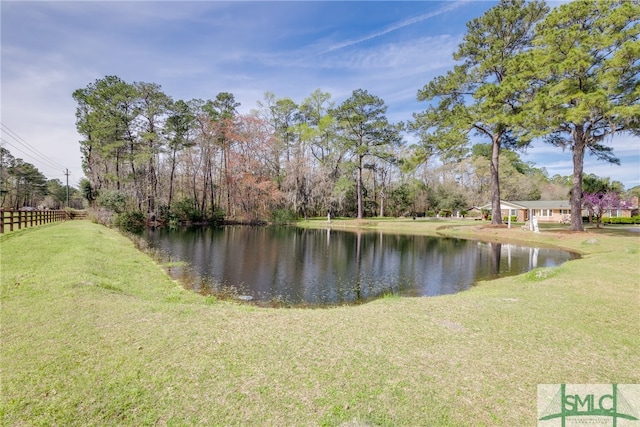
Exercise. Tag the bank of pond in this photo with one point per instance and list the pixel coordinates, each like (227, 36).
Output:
(290, 266)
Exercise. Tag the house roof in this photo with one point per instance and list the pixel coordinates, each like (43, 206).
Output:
(540, 204)
(532, 204)
(544, 204)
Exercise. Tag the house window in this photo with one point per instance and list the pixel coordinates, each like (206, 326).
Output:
(565, 211)
(545, 212)
(615, 213)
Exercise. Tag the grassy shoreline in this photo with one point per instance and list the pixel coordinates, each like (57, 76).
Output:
(93, 332)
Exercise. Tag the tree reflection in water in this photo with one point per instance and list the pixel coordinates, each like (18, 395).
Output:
(326, 267)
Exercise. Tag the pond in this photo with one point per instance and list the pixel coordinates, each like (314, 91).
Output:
(294, 266)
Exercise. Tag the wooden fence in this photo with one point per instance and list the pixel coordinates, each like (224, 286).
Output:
(11, 218)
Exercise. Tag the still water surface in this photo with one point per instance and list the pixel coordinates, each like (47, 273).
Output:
(325, 267)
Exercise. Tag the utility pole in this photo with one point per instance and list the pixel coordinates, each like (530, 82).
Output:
(67, 174)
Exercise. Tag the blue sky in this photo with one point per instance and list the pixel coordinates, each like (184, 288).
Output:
(199, 49)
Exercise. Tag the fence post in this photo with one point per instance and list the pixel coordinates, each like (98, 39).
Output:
(27, 219)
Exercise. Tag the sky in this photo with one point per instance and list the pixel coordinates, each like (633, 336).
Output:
(201, 48)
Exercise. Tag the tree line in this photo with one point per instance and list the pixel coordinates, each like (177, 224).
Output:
(22, 186)
(568, 75)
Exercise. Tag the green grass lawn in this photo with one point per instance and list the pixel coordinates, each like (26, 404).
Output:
(93, 332)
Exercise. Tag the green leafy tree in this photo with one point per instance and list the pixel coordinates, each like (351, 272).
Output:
(365, 131)
(475, 97)
(448, 200)
(113, 200)
(594, 184)
(201, 163)
(634, 191)
(223, 111)
(282, 115)
(153, 106)
(105, 117)
(178, 130)
(317, 131)
(583, 80)
(519, 180)
(6, 160)
(289, 160)
(29, 184)
(57, 194)
(400, 199)
(87, 191)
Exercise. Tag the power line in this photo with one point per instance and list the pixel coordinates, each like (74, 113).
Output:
(24, 143)
(34, 155)
(30, 157)
(18, 138)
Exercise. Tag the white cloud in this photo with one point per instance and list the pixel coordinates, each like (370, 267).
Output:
(198, 49)
(425, 53)
(556, 161)
(393, 27)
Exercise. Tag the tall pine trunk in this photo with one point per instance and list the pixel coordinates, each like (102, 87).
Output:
(576, 184)
(496, 212)
(359, 187)
(171, 176)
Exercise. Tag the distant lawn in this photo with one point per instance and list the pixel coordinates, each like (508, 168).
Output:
(93, 332)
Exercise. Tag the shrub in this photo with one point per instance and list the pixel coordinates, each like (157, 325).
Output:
(217, 216)
(185, 210)
(163, 213)
(283, 216)
(622, 220)
(131, 222)
(112, 200)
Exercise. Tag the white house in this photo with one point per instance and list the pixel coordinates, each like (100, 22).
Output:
(554, 210)
(543, 210)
